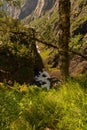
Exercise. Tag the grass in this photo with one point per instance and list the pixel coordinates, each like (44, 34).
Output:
(25, 107)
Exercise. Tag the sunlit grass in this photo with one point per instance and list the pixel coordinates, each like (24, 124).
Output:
(25, 107)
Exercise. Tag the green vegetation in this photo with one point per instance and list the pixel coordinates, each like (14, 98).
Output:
(45, 27)
(25, 107)
(76, 42)
(18, 54)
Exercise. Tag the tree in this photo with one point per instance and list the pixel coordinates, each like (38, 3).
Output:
(64, 36)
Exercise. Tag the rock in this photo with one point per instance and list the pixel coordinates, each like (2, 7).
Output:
(80, 68)
(36, 7)
(82, 29)
(84, 49)
(78, 65)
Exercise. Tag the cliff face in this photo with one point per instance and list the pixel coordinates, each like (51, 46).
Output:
(29, 8)
(36, 8)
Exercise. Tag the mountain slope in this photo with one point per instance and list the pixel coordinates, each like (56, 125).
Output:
(43, 16)
(36, 8)
(47, 28)
(42, 12)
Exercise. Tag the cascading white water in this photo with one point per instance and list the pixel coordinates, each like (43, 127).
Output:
(37, 48)
(43, 79)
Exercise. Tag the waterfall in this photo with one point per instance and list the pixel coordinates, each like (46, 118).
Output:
(43, 79)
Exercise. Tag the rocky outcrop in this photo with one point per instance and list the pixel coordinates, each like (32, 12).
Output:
(82, 29)
(36, 8)
(78, 64)
(28, 8)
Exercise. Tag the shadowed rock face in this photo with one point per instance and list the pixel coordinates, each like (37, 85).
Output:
(36, 6)
(48, 4)
(28, 8)
(82, 29)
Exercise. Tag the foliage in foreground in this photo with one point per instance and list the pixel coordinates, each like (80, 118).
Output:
(31, 108)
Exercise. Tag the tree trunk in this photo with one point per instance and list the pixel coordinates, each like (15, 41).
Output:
(64, 36)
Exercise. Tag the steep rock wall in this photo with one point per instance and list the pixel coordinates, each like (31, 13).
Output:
(36, 8)
(28, 8)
